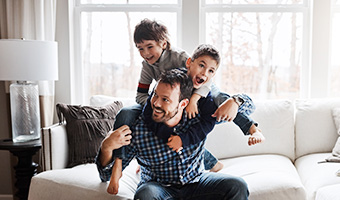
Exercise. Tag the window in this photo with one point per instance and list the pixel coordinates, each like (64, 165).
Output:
(261, 44)
(270, 49)
(110, 63)
(335, 51)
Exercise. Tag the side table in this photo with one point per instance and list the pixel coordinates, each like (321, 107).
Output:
(26, 168)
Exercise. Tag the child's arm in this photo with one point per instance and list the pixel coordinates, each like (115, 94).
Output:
(198, 131)
(144, 83)
(192, 109)
(231, 106)
(227, 110)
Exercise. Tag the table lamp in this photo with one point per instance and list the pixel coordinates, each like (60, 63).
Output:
(26, 61)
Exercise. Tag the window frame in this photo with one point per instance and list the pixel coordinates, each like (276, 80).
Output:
(78, 73)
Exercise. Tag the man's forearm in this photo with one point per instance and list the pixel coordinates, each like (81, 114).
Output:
(105, 157)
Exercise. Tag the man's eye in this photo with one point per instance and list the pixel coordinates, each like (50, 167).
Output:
(201, 65)
(166, 100)
(212, 71)
(150, 47)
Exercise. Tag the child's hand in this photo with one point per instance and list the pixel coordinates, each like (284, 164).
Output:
(175, 143)
(226, 111)
(192, 110)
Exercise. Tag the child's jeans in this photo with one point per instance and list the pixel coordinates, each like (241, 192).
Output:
(126, 116)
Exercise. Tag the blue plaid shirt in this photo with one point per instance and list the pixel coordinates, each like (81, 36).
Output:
(158, 162)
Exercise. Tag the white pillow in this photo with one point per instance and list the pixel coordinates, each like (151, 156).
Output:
(336, 117)
(336, 150)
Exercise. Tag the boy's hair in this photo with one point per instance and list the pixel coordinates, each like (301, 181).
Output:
(151, 30)
(206, 50)
(177, 76)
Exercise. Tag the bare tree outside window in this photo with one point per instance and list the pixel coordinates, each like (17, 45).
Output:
(110, 60)
(261, 51)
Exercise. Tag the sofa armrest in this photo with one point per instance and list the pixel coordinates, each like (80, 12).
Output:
(54, 147)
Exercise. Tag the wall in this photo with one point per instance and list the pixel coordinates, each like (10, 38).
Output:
(5, 157)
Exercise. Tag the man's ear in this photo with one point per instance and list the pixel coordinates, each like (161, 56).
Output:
(188, 62)
(184, 103)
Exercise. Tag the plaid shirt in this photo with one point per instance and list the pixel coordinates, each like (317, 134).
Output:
(158, 162)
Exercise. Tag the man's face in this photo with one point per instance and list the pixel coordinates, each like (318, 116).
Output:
(165, 102)
(201, 70)
(150, 50)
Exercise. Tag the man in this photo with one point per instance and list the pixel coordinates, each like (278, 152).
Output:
(167, 174)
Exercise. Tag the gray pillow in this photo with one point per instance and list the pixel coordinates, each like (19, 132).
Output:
(86, 127)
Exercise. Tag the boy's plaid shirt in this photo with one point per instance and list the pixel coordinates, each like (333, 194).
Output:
(158, 162)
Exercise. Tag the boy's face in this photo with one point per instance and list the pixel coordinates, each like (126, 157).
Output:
(150, 50)
(201, 70)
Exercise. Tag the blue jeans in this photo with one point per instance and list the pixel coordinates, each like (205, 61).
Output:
(210, 186)
(128, 115)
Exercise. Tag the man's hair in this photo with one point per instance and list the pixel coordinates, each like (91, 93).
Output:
(177, 76)
(151, 30)
(206, 50)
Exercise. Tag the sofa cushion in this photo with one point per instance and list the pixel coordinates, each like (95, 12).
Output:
(315, 175)
(268, 176)
(314, 126)
(330, 192)
(275, 119)
(81, 183)
(86, 127)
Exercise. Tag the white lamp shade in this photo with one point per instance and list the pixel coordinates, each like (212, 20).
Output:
(28, 60)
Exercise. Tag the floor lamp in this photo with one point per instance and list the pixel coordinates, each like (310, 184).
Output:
(27, 61)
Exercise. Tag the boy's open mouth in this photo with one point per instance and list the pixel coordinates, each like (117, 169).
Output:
(199, 80)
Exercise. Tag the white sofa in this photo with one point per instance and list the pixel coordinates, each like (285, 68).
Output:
(298, 135)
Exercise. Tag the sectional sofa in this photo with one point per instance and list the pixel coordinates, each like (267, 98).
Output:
(290, 165)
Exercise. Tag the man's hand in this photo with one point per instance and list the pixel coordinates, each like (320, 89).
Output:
(175, 143)
(114, 140)
(226, 111)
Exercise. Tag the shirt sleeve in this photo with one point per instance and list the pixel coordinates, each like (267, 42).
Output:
(197, 132)
(248, 106)
(144, 83)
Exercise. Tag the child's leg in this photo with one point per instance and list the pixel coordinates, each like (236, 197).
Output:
(126, 116)
(210, 162)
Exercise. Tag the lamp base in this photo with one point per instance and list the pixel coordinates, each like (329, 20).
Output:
(25, 111)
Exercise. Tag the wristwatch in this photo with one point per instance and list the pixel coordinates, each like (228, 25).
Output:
(238, 100)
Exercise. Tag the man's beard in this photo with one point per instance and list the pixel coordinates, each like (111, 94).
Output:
(164, 118)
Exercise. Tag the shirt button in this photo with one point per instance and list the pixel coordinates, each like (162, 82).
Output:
(181, 177)
(175, 129)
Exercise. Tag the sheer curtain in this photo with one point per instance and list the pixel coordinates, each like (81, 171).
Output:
(31, 20)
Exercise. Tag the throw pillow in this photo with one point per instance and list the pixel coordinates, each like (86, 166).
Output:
(336, 150)
(86, 127)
